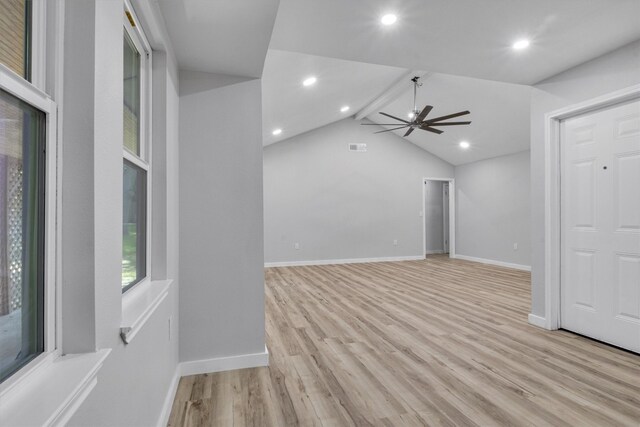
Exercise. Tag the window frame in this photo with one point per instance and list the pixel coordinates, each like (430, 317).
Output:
(29, 93)
(142, 161)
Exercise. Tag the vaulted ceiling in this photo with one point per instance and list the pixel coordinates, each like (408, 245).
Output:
(462, 37)
(463, 46)
(295, 109)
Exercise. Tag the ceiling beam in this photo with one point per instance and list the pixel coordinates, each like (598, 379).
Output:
(391, 93)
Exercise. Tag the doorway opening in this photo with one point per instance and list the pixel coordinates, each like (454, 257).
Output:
(438, 216)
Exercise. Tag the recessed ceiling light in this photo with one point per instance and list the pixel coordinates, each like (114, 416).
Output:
(464, 144)
(389, 19)
(344, 109)
(521, 44)
(411, 114)
(276, 132)
(309, 81)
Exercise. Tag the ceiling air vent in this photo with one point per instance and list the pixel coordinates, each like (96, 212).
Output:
(361, 148)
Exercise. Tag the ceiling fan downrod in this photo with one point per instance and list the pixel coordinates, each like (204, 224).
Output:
(419, 117)
(416, 85)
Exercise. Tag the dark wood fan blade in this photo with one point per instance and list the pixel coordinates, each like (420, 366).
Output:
(449, 123)
(389, 130)
(394, 117)
(408, 132)
(379, 124)
(450, 116)
(429, 129)
(426, 110)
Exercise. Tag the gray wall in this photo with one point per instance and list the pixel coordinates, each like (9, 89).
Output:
(493, 209)
(134, 381)
(611, 72)
(221, 231)
(433, 220)
(338, 204)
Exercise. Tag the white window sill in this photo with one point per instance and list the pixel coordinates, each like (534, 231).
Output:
(138, 304)
(51, 394)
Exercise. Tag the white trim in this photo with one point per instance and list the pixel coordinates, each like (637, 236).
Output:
(39, 44)
(538, 321)
(57, 390)
(128, 155)
(342, 261)
(452, 214)
(163, 420)
(494, 262)
(552, 172)
(434, 252)
(138, 304)
(207, 366)
(19, 87)
(229, 363)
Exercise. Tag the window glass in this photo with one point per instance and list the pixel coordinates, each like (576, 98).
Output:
(22, 142)
(15, 52)
(131, 96)
(134, 225)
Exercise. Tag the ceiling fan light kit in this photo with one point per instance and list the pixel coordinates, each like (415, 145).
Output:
(419, 120)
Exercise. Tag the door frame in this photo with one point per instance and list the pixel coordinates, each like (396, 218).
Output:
(452, 215)
(445, 220)
(552, 172)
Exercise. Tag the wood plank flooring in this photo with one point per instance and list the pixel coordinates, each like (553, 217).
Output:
(433, 342)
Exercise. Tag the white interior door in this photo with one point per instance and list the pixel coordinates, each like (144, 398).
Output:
(600, 209)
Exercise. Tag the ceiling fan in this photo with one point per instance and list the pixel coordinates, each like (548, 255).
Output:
(418, 120)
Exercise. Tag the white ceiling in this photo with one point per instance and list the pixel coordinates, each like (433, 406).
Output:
(356, 58)
(462, 37)
(499, 117)
(220, 36)
(295, 109)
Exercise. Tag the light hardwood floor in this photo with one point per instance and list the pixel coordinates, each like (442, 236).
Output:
(434, 342)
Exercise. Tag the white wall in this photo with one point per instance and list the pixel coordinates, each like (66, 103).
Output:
(133, 383)
(338, 204)
(433, 217)
(608, 73)
(493, 209)
(221, 229)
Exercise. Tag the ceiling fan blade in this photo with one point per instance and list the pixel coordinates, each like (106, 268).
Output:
(389, 130)
(429, 129)
(379, 124)
(425, 111)
(395, 118)
(449, 123)
(408, 132)
(450, 116)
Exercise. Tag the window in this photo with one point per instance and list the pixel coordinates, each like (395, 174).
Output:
(27, 200)
(135, 231)
(15, 34)
(22, 132)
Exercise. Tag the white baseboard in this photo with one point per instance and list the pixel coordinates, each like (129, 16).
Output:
(342, 261)
(494, 262)
(168, 400)
(434, 252)
(229, 363)
(538, 321)
(207, 366)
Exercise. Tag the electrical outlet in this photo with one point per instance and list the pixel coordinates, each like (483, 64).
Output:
(395, 242)
(296, 246)
(515, 246)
